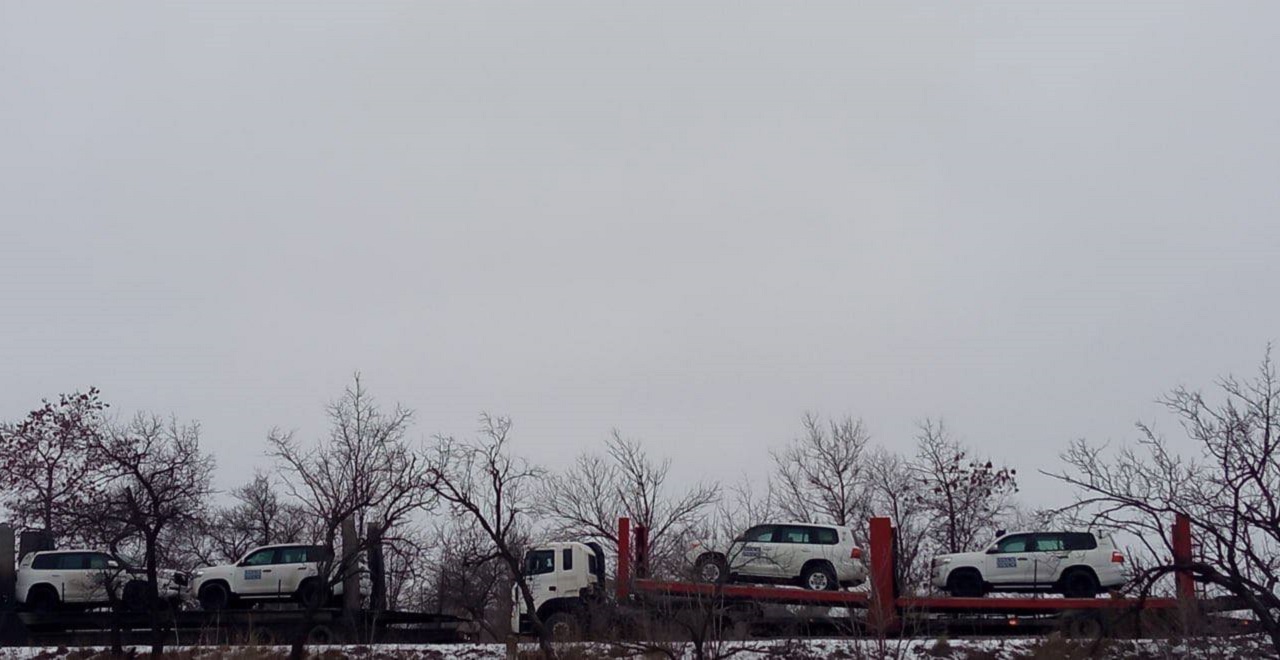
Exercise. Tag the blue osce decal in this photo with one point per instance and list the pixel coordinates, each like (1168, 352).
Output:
(1006, 562)
(253, 574)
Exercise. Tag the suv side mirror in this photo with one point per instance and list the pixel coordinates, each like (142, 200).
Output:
(992, 550)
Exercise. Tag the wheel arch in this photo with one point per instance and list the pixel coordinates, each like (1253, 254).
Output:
(1076, 569)
(43, 586)
(221, 582)
(966, 570)
(818, 562)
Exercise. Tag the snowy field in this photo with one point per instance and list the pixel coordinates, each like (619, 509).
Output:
(1006, 648)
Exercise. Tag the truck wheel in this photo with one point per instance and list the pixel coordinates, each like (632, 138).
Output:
(42, 600)
(214, 597)
(1084, 626)
(711, 568)
(311, 593)
(1079, 583)
(965, 584)
(563, 627)
(134, 598)
(819, 577)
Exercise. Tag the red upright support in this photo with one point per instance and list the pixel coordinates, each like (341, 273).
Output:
(1182, 556)
(623, 579)
(884, 602)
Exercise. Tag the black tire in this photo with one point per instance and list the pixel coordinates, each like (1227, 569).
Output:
(563, 627)
(312, 593)
(320, 635)
(819, 577)
(134, 596)
(966, 584)
(1079, 583)
(1084, 626)
(711, 568)
(43, 600)
(214, 597)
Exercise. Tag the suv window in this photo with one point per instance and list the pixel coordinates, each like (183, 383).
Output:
(260, 558)
(538, 562)
(99, 561)
(46, 562)
(1049, 543)
(298, 555)
(792, 535)
(73, 561)
(825, 536)
(1015, 543)
(1080, 541)
(759, 534)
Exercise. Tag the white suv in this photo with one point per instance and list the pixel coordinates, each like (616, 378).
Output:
(1076, 564)
(54, 579)
(268, 573)
(818, 557)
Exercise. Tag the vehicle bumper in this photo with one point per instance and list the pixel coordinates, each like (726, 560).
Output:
(851, 572)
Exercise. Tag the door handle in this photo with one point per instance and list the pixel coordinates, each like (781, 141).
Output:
(1064, 556)
(1022, 558)
(266, 570)
(302, 568)
(551, 588)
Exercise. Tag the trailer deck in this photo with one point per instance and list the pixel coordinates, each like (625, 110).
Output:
(887, 608)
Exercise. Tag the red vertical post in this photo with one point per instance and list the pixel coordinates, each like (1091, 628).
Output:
(642, 552)
(1182, 556)
(623, 578)
(884, 601)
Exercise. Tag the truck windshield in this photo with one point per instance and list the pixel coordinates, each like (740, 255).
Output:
(537, 562)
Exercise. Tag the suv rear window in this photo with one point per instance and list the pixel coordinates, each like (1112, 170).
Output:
(46, 562)
(1080, 541)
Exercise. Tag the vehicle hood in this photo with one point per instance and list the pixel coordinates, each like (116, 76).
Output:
(224, 571)
(959, 557)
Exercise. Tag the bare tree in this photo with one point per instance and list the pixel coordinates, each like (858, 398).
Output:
(483, 482)
(967, 497)
(586, 500)
(1229, 489)
(47, 474)
(742, 506)
(897, 492)
(821, 476)
(160, 479)
(365, 471)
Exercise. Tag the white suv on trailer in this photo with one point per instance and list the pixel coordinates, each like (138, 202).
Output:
(1076, 564)
(815, 556)
(268, 573)
(54, 579)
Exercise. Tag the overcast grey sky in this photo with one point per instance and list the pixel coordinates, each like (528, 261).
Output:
(690, 222)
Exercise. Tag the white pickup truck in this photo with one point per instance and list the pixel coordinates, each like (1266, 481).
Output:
(269, 573)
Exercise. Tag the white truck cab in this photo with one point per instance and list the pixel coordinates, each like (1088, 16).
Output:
(563, 578)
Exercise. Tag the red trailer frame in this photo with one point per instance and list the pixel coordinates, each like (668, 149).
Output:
(885, 606)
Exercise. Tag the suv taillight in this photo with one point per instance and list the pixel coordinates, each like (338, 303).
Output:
(855, 553)
(1116, 557)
